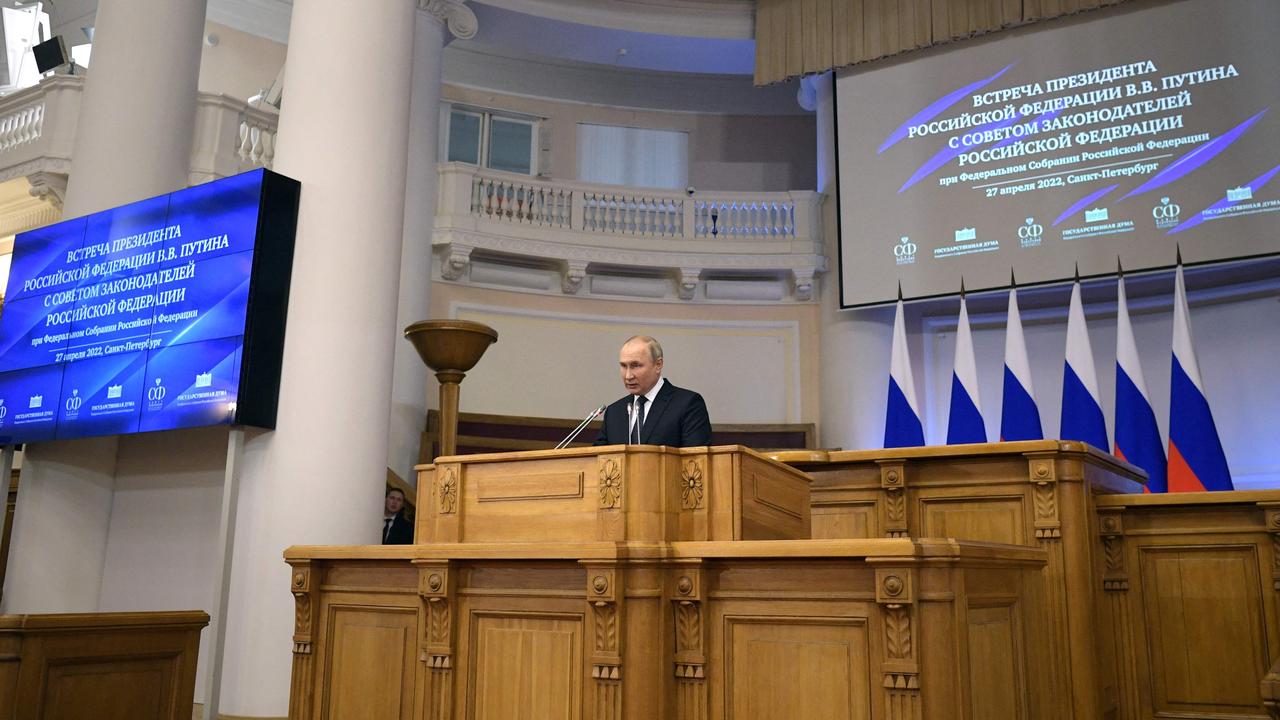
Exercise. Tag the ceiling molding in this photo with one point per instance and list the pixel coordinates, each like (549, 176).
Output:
(264, 18)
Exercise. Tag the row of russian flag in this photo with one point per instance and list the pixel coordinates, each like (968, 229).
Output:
(1195, 460)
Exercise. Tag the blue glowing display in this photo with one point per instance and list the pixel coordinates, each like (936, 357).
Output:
(139, 318)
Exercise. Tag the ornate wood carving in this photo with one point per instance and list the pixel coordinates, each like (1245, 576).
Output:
(895, 594)
(447, 491)
(1044, 479)
(1115, 577)
(436, 651)
(1273, 527)
(690, 657)
(691, 489)
(610, 484)
(893, 480)
(302, 683)
(604, 600)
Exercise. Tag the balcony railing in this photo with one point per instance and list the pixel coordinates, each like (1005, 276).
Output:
(38, 128)
(578, 225)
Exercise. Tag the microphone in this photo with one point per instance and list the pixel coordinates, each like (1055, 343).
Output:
(581, 426)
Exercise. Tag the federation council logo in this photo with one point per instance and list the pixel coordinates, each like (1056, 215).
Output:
(156, 393)
(74, 402)
(4, 410)
(1030, 233)
(904, 252)
(1166, 213)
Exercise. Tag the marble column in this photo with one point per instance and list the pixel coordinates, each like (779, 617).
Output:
(435, 26)
(318, 477)
(133, 141)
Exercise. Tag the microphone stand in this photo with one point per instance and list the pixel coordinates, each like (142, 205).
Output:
(581, 426)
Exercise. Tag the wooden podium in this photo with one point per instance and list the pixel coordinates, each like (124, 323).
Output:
(652, 582)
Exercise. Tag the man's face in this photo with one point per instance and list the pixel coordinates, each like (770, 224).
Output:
(639, 370)
(395, 501)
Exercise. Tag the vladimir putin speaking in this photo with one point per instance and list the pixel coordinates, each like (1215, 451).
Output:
(654, 412)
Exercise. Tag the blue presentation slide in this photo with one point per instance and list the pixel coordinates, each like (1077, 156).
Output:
(131, 319)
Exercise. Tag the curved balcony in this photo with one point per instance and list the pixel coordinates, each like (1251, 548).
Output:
(38, 129)
(616, 241)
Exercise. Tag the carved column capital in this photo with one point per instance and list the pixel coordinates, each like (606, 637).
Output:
(688, 282)
(605, 607)
(895, 594)
(803, 278)
(1115, 577)
(572, 273)
(893, 480)
(456, 259)
(454, 14)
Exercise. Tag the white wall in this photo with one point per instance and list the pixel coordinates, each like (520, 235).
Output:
(161, 544)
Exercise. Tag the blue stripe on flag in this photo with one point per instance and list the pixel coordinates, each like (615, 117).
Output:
(902, 427)
(1019, 416)
(1137, 436)
(1192, 430)
(1081, 414)
(965, 424)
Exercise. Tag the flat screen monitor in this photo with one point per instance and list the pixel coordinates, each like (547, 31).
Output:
(160, 314)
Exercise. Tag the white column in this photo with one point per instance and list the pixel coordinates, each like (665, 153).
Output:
(855, 343)
(133, 141)
(317, 478)
(409, 384)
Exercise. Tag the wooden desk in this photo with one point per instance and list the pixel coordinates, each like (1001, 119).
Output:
(1037, 493)
(99, 666)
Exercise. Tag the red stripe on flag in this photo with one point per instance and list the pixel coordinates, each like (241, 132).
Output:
(1181, 477)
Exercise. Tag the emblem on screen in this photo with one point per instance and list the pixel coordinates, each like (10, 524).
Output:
(74, 402)
(204, 379)
(905, 251)
(113, 392)
(156, 394)
(1166, 213)
(1238, 194)
(1096, 215)
(966, 234)
(1030, 233)
(3, 410)
(35, 401)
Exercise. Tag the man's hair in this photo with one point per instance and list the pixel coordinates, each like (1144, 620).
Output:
(395, 489)
(655, 348)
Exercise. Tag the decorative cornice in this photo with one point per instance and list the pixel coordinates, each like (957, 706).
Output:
(459, 18)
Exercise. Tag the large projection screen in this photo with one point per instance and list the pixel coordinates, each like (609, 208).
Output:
(1118, 136)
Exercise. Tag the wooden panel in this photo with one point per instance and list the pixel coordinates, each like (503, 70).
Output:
(136, 690)
(983, 519)
(797, 668)
(531, 487)
(371, 663)
(526, 667)
(1205, 636)
(846, 520)
(997, 685)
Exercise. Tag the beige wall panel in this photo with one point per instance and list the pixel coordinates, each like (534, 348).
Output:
(557, 357)
(240, 65)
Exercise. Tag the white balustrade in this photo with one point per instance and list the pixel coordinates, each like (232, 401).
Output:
(520, 201)
(257, 138)
(22, 125)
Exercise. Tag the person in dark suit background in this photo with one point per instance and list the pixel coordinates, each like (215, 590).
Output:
(396, 528)
(667, 415)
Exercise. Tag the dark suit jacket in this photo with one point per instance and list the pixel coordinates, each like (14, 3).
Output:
(678, 418)
(401, 532)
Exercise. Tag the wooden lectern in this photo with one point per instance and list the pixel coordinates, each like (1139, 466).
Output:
(652, 582)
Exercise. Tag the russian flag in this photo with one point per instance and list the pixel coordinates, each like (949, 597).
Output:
(1137, 437)
(1019, 414)
(1081, 407)
(965, 423)
(1196, 460)
(902, 426)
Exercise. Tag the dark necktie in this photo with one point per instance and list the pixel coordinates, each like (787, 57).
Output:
(635, 429)
(386, 528)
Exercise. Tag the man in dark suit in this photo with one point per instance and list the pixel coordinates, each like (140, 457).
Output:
(396, 529)
(654, 412)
